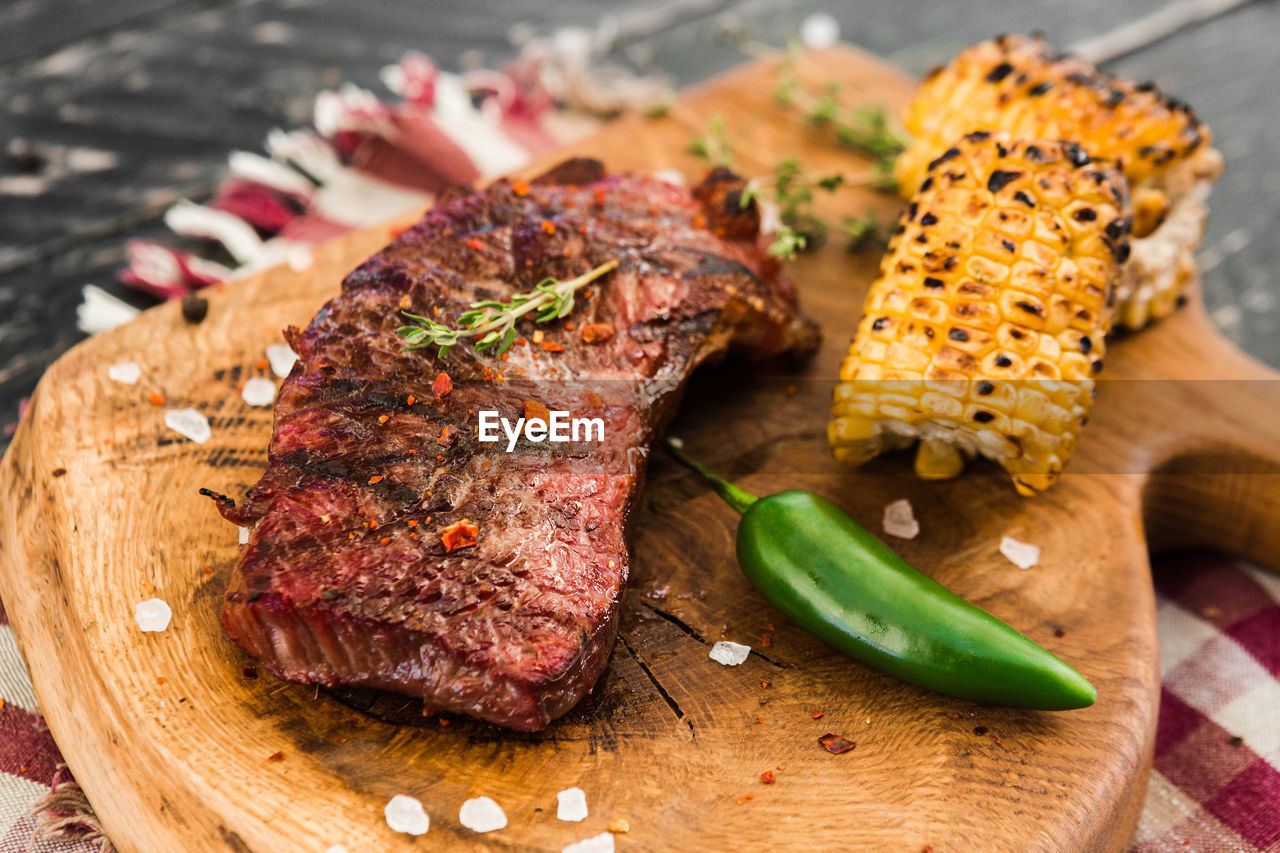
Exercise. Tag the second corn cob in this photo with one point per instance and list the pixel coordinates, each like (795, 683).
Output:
(1018, 85)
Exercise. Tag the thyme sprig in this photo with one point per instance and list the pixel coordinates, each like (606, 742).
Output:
(866, 130)
(494, 322)
(714, 147)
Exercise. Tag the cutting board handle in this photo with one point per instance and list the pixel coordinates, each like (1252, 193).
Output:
(1211, 441)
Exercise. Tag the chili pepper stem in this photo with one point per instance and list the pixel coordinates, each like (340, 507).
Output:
(733, 496)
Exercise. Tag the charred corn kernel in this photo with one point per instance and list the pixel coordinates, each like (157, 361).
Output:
(986, 326)
(1017, 85)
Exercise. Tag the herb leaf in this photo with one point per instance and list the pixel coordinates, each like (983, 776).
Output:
(494, 323)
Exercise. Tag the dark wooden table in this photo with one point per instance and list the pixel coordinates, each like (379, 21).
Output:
(153, 94)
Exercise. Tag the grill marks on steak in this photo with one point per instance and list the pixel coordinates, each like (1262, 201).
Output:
(345, 578)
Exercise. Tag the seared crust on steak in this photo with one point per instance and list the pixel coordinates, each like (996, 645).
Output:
(347, 578)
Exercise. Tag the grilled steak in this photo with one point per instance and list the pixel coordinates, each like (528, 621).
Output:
(357, 571)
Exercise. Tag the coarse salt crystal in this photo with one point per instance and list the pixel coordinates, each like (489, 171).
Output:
(153, 614)
(1022, 554)
(572, 804)
(405, 814)
(337, 848)
(244, 536)
(300, 259)
(189, 423)
(670, 176)
(126, 373)
(900, 521)
(281, 358)
(259, 391)
(482, 814)
(729, 654)
(602, 843)
(819, 30)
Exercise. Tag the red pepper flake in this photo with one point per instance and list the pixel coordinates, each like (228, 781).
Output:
(373, 524)
(520, 188)
(818, 715)
(385, 540)
(835, 744)
(411, 399)
(447, 435)
(594, 333)
(506, 356)
(340, 740)
(473, 243)
(442, 385)
(699, 221)
(552, 346)
(276, 756)
(759, 721)
(155, 398)
(262, 364)
(764, 685)
(520, 342)
(413, 522)
(535, 411)
(382, 419)
(781, 767)
(404, 301)
(376, 479)
(569, 326)
(600, 197)
(207, 570)
(548, 227)
(444, 724)
(766, 640)
(768, 778)
(460, 534)
(439, 457)
(159, 679)
(995, 738)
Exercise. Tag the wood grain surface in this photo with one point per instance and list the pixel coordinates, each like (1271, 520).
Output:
(174, 745)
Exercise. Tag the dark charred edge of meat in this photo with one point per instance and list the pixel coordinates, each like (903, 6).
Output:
(720, 194)
(316, 645)
(575, 172)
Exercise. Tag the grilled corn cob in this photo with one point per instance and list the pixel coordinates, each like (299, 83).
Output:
(985, 328)
(1017, 85)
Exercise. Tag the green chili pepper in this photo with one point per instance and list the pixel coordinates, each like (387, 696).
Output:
(833, 578)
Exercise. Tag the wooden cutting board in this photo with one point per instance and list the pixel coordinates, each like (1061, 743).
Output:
(174, 745)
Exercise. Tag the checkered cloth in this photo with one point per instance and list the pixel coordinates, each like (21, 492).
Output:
(1216, 782)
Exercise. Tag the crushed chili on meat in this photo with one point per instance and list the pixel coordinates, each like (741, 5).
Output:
(535, 411)
(594, 333)
(460, 534)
